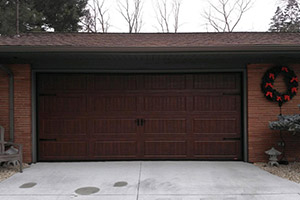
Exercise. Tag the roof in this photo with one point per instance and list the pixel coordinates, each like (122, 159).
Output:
(149, 41)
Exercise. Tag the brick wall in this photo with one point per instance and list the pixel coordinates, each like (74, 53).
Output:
(22, 103)
(261, 111)
(4, 102)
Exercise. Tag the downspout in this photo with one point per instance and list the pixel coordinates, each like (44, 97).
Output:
(11, 101)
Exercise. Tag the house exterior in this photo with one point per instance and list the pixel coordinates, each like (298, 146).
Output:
(187, 96)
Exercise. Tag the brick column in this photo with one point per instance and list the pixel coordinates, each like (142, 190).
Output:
(261, 111)
(22, 106)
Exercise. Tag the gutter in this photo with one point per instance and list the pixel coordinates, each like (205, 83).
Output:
(11, 101)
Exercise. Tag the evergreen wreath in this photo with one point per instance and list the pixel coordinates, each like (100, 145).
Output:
(290, 79)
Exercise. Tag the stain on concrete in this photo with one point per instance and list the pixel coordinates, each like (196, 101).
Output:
(153, 184)
(120, 184)
(87, 190)
(28, 185)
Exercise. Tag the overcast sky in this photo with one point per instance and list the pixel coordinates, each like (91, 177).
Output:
(191, 20)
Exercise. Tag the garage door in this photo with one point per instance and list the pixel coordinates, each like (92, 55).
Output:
(139, 116)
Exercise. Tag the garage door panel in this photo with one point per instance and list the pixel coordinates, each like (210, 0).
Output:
(217, 81)
(215, 126)
(114, 126)
(115, 82)
(64, 150)
(164, 126)
(164, 103)
(216, 103)
(64, 127)
(162, 149)
(54, 82)
(164, 82)
(67, 104)
(114, 149)
(100, 104)
(217, 149)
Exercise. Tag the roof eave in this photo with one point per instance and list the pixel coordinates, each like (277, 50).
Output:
(65, 49)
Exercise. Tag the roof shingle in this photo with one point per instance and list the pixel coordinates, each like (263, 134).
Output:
(150, 40)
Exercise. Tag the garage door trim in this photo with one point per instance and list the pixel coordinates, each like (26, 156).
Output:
(243, 96)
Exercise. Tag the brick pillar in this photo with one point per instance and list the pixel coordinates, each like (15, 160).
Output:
(261, 111)
(22, 106)
(4, 103)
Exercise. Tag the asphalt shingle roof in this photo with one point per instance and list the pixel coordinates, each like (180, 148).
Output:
(149, 40)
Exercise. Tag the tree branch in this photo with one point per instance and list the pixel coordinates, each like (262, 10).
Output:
(163, 14)
(134, 17)
(226, 14)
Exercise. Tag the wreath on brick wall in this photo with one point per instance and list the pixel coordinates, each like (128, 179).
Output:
(290, 79)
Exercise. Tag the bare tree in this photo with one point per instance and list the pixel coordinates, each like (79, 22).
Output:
(96, 16)
(88, 23)
(163, 14)
(133, 17)
(103, 16)
(225, 15)
(176, 11)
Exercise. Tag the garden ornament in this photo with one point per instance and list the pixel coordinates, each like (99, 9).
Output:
(273, 153)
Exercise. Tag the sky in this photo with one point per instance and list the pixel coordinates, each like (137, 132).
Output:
(191, 16)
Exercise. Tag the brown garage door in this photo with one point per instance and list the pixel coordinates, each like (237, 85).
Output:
(139, 116)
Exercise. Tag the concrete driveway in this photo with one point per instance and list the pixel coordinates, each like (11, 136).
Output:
(147, 181)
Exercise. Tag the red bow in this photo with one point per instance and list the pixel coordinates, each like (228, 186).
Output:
(269, 94)
(294, 89)
(279, 99)
(269, 84)
(284, 69)
(287, 97)
(272, 76)
(294, 79)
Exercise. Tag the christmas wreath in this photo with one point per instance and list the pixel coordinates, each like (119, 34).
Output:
(290, 79)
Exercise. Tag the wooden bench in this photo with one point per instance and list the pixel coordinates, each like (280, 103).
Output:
(9, 151)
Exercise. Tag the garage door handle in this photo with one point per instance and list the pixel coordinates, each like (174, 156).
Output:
(231, 138)
(142, 122)
(137, 121)
(42, 139)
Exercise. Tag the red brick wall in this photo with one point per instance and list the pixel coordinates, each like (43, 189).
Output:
(261, 111)
(22, 109)
(4, 102)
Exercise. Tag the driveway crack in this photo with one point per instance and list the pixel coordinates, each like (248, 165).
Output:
(139, 182)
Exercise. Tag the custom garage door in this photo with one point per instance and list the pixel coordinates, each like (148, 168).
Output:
(139, 116)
